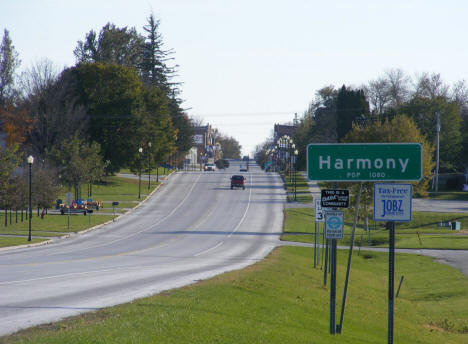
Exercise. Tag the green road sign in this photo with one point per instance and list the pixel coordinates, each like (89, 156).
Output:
(364, 161)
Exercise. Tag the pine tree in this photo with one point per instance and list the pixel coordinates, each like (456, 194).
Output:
(8, 63)
(155, 70)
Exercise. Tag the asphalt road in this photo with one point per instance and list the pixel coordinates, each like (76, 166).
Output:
(192, 228)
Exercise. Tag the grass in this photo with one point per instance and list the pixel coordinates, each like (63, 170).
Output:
(116, 189)
(280, 300)
(421, 232)
(297, 184)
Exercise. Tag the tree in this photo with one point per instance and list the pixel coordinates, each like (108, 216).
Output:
(9, 161)
(350, 105)
(318, 123)
(398, 87)
(423, 110)
(45, 186)
(8, 63)
(17, 124)
(399, 129)
(53, 106)
(121, 46)
(431, 86)
(77, 162)
(112, 96)
(154, 69)
(182, 126)
(230, 147)
(378, 93)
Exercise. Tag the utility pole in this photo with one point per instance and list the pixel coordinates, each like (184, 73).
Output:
(437, 152)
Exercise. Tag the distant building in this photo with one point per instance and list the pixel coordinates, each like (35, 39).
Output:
(206, 147)
(283, 129)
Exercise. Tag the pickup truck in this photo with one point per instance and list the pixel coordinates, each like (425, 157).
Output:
(238, 181)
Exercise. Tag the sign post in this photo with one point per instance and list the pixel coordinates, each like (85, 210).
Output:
(392, 202)
(334, 229)
(370, 162)
(319, 217)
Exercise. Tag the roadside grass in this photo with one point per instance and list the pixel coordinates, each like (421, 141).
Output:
(16, 241)
(421, 232)
(119, 189)
(301, 188)
(282, 300)
(51, 225)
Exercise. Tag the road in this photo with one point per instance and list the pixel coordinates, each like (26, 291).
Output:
(192, 228)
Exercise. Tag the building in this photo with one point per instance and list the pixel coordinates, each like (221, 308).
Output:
(204, 146)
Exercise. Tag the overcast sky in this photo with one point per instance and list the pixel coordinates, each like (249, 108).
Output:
(247, 64)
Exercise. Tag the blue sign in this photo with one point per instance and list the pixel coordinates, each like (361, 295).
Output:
(334, 224)
(392, 202)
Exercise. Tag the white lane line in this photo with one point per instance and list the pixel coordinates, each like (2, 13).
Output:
(141, 231)
(238, 225)
(78, 274)
(208, 250)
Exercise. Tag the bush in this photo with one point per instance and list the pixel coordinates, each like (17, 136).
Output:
(455, 182)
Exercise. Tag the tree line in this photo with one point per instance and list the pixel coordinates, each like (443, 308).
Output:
(91, 118)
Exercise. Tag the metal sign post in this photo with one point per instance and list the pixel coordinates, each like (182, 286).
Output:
(334, 229)
(392, 202)
(319, 217)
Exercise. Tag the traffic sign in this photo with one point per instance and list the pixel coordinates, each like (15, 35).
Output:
(335, 198)
(392, 202)
(334, 224)
(319, 215)
(364, 161)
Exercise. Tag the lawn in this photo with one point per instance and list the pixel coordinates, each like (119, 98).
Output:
(421, 232)
(297, 184)
(123, 190)
(282, 300)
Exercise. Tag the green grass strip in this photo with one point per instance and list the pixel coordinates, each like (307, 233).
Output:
(421, 232)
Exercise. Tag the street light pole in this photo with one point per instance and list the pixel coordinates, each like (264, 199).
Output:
(140, 150)
(149, 166)
(437, 153)
(30, 160)
(295, 172)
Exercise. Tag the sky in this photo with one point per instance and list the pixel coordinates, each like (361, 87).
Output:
(248, 64)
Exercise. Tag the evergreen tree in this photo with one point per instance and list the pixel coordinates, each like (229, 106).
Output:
(8, 63)
(351, 105)
(121, 46)
(154, 69)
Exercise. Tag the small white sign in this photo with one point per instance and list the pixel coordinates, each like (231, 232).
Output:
(198, 139)
(334, 224)
(319, 215)
(392, 202)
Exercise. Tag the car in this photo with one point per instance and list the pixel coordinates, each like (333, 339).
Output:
(238, 181)
(210, 167)
(243, 168)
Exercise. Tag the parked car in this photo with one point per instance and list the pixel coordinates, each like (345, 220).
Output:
(238, 181)
(209, 167)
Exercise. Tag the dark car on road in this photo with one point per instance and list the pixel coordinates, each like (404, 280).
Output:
(238, 181)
